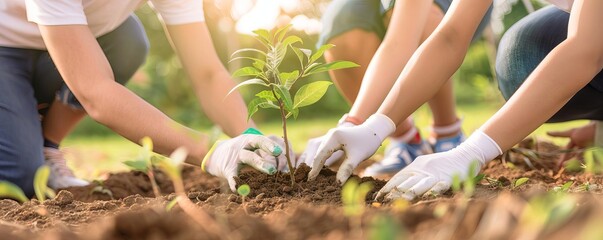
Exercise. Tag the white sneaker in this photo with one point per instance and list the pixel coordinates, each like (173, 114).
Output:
(60, 175)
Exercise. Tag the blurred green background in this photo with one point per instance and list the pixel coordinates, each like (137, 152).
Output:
(94, 150)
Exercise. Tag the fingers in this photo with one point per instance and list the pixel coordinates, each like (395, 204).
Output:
(254, 160)
(308, 155)
(336, 156)
(325, 150)
(400, 177)
(346, 169)
(232, 184)
(440, 187)
(409, 191)
(262, 142)
(566, 133)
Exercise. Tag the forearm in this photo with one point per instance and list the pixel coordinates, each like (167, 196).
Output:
(230, 112)
(552, 84)
(86, 71)
(435, 61)
(403, 37)
(133, 118)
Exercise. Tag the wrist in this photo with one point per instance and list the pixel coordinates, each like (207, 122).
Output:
(381, 125)
(347, 120)
(482, 146)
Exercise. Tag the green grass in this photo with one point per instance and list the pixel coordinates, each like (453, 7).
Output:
(91, 157)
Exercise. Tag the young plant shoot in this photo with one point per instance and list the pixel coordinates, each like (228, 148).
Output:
(265, 71)
(144, 163)
(41, 184)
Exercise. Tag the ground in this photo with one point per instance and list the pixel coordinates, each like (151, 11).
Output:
(123, 207)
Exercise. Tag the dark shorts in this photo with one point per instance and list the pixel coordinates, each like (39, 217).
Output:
(345, 15)
(30, 82)
(526, 44)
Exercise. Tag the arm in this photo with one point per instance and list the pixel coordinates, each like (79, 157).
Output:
(88, 74)
(402, 39)
(436, 59)
(567, 69)
(210, 79)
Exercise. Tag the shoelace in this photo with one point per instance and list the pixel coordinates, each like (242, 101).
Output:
(57, 162)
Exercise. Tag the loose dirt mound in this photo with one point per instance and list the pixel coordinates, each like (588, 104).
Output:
(312, 210)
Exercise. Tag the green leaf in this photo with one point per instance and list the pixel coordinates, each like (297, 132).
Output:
(301, 52)
(248, 58)
(259, 64)
(10, 190)
(244, 190)
(330, 66)
(263, 36)
(281, 32)
(310, 93)
(266, 94)
(137, 165)
(254, 105)
(41, 181)
(293, 113)
(291, 40)
(320, 52)
(285, 96)
(247, 71)
(252, 50)
(255, 81)
(520, 182)
(288, 79)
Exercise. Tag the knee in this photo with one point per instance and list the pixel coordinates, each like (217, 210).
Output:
(513, 61)
(21, 170)
(135, 56)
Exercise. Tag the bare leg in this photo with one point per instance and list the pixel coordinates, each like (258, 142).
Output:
(364, 45)
(60, 121)
(442, 105)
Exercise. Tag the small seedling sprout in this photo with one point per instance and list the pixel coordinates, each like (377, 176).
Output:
(243, 190)
(564, 188)
(353, 196)
(41, 184)
(265, 72)
(144, 163)
(10, 190)
(520, 181)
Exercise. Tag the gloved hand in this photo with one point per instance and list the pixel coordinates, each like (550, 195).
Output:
(282, 159)
(308, 155)
(434, 172)
(358, 143)
(226, 157)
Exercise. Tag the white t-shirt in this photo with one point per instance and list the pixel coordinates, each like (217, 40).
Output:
(18, 18)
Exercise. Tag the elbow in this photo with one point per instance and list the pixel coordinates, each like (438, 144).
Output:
(92, 101)
(588, 51)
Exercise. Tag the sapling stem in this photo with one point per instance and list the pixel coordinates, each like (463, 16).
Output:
(151, 175)
(284, 120)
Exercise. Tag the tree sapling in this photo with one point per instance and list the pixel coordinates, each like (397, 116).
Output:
(265, 72)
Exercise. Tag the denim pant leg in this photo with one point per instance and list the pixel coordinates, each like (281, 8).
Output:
(126, 49)
(526, 44)
(20, 129)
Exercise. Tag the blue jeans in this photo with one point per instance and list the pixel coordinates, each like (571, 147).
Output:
(29, 84)
(526, 44)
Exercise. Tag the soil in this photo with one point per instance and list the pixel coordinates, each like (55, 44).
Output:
(123, 206)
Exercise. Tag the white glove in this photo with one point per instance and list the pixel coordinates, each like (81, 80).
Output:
(434, 172)
(227, 157)
(308, 155)
(282, 159)
(358, 143)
